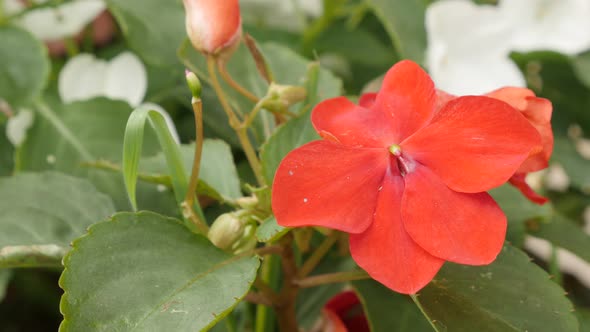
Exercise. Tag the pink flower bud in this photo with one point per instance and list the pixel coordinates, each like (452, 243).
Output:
(213, 25)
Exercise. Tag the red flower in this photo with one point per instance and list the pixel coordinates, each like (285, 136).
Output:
(538, 112)
(213, 25)
(406, 181)
(344, 313)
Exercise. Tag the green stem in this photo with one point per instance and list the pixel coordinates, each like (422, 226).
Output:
(241, 131)
(194, 180)
(235, 85)
(317, 255)
(331, 278)
(419, 305)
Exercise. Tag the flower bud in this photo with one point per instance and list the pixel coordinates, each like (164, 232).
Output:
(280, 97)
(248, 240)
(194, 84)
(226, 230)
(213, 26)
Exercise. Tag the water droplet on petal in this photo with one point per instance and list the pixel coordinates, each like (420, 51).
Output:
(290, 172)
(305, 200)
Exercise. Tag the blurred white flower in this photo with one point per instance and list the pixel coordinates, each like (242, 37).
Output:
(567, 261)
(555, 25)
(468, 48)
(469, 45)
(556, 178)
(59, 22)
(122, 78)
(85, 76)
(17, 127)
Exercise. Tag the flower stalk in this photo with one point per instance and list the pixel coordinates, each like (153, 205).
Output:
(234, 122)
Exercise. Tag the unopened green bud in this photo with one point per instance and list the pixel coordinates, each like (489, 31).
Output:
(248, 240)
(194, 84)
(287, 94)
(226, 230)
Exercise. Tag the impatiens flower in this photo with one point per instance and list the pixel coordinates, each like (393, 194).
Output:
(407, 181)
(54, 24)
(554, 25)
(344, 313)
(213, 25)
(538, 112)
(469, 47)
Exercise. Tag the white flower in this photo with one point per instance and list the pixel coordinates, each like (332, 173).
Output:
(468, 48)
(556, 25)
(124, 78)
(57, 23)
(469, 45)
(85, 77)
(17, 127)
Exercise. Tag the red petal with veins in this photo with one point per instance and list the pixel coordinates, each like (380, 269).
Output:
(352, 125)
(474, 143)
(538, 112)
(328, 184)
(458, 227)
(408, 96)
(387, 252)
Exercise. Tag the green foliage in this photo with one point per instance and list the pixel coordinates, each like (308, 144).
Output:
(389, 311)
(42, 213)
(24, 66)
(146, 272)
(154, 29)
(404, 22)
(511, 294)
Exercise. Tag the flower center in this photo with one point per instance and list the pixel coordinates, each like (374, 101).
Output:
(404, 163)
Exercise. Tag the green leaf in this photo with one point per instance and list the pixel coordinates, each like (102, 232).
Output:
(153, 28)
(581, 63)
(404, 22)
(132, 146)
(64, 137)
(24, 66)
(584, 319)
(519, 210)
(42, 213)
(389, 311)
(5, 276)
(270, 231)
(511, 294)
(218, 170)
(574, 165)
(564, 233)
(145, 272)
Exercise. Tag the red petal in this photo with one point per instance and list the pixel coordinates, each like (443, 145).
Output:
(367, 99)
(518, 181)
(344, 313)
(328, 184)
(458, 227)
(387, 252)
(474, 143)
(408, 96)
(340, 119)
(538, 112)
